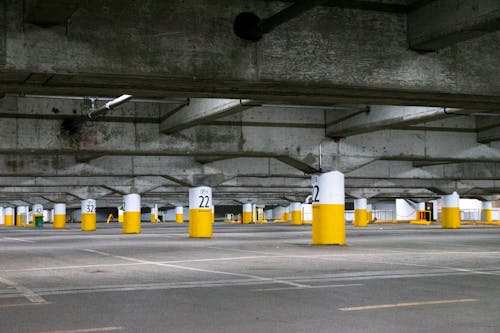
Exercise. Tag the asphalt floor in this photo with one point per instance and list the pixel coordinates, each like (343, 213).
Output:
(249, 278)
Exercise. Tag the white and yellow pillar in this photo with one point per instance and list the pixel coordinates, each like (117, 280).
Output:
(450, 214)
(487, 211)
(21, 216)
(286, 214)
(120, 214)
(421, 211)
(247, 213)
(37, 211)
(179, 214)
(360, 212)
(9, 217)
(200, 212)
(296, 213)
(154, 214)
(59, 216)
(328, 225)
(369, 212)
(89, 218)
(131, 214)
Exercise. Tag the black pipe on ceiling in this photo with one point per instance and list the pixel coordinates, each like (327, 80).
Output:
(249, 26)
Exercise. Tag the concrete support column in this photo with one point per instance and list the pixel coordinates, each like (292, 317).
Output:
(179, 214)
(487, 211)
(37, 211)
(360, 213)
(132, 214)
(154, 214)
(421, 211)
(296, 213)
(120, 214)
(200, 212)
(59, 216)
(21, 216)
(328, 225)
(88, 211)
(450, 214)
(286, 215)
(369, 212)
(247, 213)
(9, 217)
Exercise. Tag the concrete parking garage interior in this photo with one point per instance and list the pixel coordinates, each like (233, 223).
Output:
(117, 118)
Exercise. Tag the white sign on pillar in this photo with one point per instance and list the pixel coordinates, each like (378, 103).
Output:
(200, 197)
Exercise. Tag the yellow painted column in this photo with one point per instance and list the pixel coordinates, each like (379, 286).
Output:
(328, 225)
(120, 214)
(360, 213)
(154, 214)
(88, 211)
(9, 217)
(450, 214)
(21, 216)
(286, 214)
(179, 214)
(131, 214)
(200, 212)
(247, 213)
(296, 213)
(369, 213)
(59, 216)
(37, 211)
(307, 215)
(487, 211)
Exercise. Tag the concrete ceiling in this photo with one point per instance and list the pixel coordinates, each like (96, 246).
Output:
(248, 118)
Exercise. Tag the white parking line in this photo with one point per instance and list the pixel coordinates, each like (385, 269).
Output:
(313, 287)
(26, 292)
(89, 330)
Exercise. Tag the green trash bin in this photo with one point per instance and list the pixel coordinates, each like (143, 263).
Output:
(38, 221)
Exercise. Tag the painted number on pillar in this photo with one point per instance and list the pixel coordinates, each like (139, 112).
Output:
(90, 208)
(315, 193)
(205, 200)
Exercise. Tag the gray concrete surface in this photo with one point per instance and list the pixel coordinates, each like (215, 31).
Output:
(249, 278)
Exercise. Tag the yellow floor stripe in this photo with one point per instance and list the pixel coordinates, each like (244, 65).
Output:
(398, 305)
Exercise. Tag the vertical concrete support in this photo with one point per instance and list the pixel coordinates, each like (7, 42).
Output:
(88, 211)
(369, 212)
(360, 213)
(120, 214)
(487, 211)
(9, 217)
(307, 215)
(328, 225)
(296, 213)
(286, 214)
(154, 214)
(450, 215)
(247, 213)
(179, 214)
(131, 214)
(200, 212)
(2, 216)
(21, 216)
(37, 212)
(51, 219)
(59, 216)
(421, 211)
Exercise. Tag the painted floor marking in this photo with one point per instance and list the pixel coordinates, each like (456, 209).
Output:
(19, 239)
(272, 280)
(399, 305)
(14, 305)
(26, 292)
(312, 287)
(89, 330)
